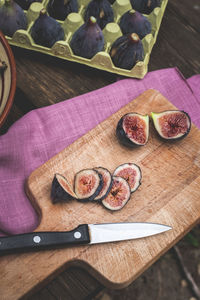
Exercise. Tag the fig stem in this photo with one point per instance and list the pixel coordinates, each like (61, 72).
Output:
(43, 12)
(134, 37)
(92, 20)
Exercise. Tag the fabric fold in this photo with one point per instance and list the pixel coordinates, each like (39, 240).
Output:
(44, 132)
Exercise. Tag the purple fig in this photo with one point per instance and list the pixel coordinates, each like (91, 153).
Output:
(60, 9)
(134, 22)
(25, 4)
(12, 18)
(145, 6)
(101, 10)
(46, 31)
(126, 51)
(88, 39)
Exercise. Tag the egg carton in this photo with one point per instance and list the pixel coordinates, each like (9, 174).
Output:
(102, 60)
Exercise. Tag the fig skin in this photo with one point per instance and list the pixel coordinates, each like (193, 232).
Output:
(134, 22)
(124, 138)
(12, 18)
(60, 9)
(119, 194)
(126, 51)
(25, 4)
(145, 6)
(88, 39)
(97, 189)
(176, 122)
(107, 183)
(101, 10)
(46, 31)
(61, 191)
(131, 173)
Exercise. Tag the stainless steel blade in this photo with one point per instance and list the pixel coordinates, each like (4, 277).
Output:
(104, 233)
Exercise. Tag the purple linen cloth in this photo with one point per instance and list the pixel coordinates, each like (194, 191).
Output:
(44, 132)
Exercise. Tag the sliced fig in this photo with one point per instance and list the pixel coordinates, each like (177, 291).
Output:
(87, 184)
(133, 129)
(61, 190)
(172, 124)
(131, 173)
(107, 183)
(119, 194)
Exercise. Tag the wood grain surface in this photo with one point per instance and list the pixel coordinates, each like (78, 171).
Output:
(169, 194)
(44, 80)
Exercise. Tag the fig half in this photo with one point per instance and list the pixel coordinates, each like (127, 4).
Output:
(107, 183)
(172, 124)
(119, 194)
(87, 184)
(131, 173)
(61, 189)
(133, 129)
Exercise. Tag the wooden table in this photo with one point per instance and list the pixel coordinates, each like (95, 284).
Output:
(43, 80)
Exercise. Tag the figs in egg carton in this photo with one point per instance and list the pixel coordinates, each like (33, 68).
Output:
(76, 29)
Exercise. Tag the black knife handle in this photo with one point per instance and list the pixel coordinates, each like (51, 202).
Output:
(44, 240)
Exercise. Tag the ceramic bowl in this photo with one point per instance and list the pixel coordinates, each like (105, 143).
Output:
(7, 78)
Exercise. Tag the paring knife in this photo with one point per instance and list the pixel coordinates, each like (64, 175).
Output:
(83, 234)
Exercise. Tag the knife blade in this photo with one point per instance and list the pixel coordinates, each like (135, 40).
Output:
(83, 234)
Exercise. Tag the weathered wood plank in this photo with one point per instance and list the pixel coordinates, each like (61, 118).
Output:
(157, 200)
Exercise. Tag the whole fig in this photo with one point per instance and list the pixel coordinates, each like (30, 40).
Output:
(145, 6)
(134, 22)
(126, 51)
(46, 31)
(60, 9)
(101, 10)
(25, 4)
(12, 18)
(88, 39)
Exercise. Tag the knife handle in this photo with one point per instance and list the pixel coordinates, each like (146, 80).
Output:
(44, 240)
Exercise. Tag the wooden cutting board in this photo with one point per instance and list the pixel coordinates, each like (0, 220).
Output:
(169, 194)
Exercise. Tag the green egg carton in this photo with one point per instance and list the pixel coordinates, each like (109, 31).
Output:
(102, 60)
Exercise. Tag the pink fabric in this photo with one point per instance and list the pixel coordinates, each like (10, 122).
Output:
(42, 133)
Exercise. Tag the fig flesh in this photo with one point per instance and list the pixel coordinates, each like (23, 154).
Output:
(107, 183)
(101, 10)
(88, 39)
(131, 173)
(119, 194)
(172, 124)
(61, 189)
(46, 31)
(12, 18)
(87, 184)
(145, 6)
(133, 129)
(60, 9)
(126, 51)
(134, 22)
(25, 4)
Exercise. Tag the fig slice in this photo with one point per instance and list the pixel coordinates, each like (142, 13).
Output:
(107, 183)
(133, 129)
(131, 173)
(61, 190)
(119, 194)
(172, 124)
(87, 184)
